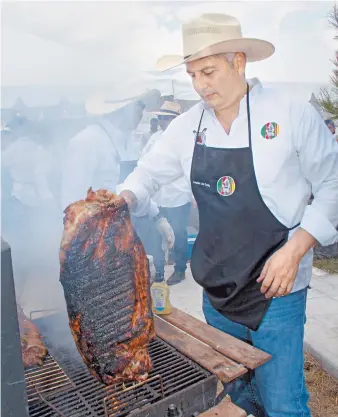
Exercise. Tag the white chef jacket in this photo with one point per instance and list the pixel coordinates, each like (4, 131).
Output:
(301, 159)
(93, 160)
(172, 195)
(29, 164)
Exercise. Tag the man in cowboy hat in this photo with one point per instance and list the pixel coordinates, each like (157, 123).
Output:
(174, 201)
(253, 253)
(93, 155)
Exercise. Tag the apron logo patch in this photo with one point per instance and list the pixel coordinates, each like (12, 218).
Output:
(270, 130)
(200, 137)
(226, 186)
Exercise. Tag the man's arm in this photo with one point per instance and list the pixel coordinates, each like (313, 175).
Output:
(318, 156)
(160, 166)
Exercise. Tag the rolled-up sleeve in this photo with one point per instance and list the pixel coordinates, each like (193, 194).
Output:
(159, 167)
(318, 155)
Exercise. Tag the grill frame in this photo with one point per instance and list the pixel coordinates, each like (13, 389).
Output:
(185, 383)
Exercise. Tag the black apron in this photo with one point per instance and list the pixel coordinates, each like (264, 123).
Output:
(238, 233)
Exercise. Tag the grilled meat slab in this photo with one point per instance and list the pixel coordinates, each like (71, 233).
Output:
(106, 283)
(33, 349)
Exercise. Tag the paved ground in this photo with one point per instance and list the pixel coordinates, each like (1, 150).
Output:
(321, 338)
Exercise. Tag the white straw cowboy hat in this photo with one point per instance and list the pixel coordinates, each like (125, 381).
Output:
(169, 108)
(212, 34)
(105, 102)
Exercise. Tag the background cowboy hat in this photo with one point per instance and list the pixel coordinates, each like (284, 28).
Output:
(104, 102)
(169, 108)
(212, 34)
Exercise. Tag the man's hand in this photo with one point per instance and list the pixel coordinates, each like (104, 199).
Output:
(168, 237)
(129, 198)
(279, 272)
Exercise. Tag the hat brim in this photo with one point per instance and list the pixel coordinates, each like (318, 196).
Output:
(164, 113)
(101, 106)
(254, 50)
(97, 107)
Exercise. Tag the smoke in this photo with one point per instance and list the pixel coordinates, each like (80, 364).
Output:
(73, 50)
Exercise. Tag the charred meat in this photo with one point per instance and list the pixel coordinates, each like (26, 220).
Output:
(105, 278)
(32, 347)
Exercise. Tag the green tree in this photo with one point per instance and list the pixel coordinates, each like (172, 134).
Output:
(328, 98)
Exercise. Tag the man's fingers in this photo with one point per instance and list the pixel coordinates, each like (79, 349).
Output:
(274, 287)
(289, 288)
(281, 291)
(264, 271)
(267, 282)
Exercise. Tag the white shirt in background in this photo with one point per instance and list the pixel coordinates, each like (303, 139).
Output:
(29, 165)
(91, 160)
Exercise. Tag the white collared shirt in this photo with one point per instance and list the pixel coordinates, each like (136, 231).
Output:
(29, 164)
(300, 158)
(91, 160)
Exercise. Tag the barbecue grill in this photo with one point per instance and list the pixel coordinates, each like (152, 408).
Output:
(63, 386)
(177, 386)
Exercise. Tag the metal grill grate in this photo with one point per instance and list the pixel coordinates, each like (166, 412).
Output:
(64, 387)
(48, 378)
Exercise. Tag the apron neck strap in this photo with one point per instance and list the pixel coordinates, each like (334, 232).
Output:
(248, 112)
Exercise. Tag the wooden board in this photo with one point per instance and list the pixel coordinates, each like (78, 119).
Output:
(224, 343)
(224, 368)
(225, 409)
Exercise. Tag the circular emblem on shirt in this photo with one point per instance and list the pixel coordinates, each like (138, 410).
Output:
(270, 130)
(226, 186)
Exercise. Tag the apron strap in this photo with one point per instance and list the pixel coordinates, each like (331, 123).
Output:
(294, 227)
(199, 126)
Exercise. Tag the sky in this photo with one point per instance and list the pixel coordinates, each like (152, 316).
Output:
(73, 44)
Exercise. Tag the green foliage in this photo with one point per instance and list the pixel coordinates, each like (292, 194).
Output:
(328, 98)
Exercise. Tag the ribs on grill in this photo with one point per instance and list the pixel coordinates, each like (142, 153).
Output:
(106, 282)
(32, 348)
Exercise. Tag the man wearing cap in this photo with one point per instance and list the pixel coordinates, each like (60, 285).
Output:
(174, 201)
(252, 157)
(93, 156)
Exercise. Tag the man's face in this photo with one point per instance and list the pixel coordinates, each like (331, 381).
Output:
(218, 82)
(154, 125)
(332, 128)
(164, 121)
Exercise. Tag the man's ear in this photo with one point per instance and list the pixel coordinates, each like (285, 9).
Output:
(240, 63)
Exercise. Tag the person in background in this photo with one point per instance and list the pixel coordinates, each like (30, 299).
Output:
(252, 155)
(148, 135)
(332, 128)
(93, 158)
(174, 201)
(94, 154)
(29, 214)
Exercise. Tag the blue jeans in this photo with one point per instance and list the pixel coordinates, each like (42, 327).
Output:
(277, 388)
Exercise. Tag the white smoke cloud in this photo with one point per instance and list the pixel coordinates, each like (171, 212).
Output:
(81, 43)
